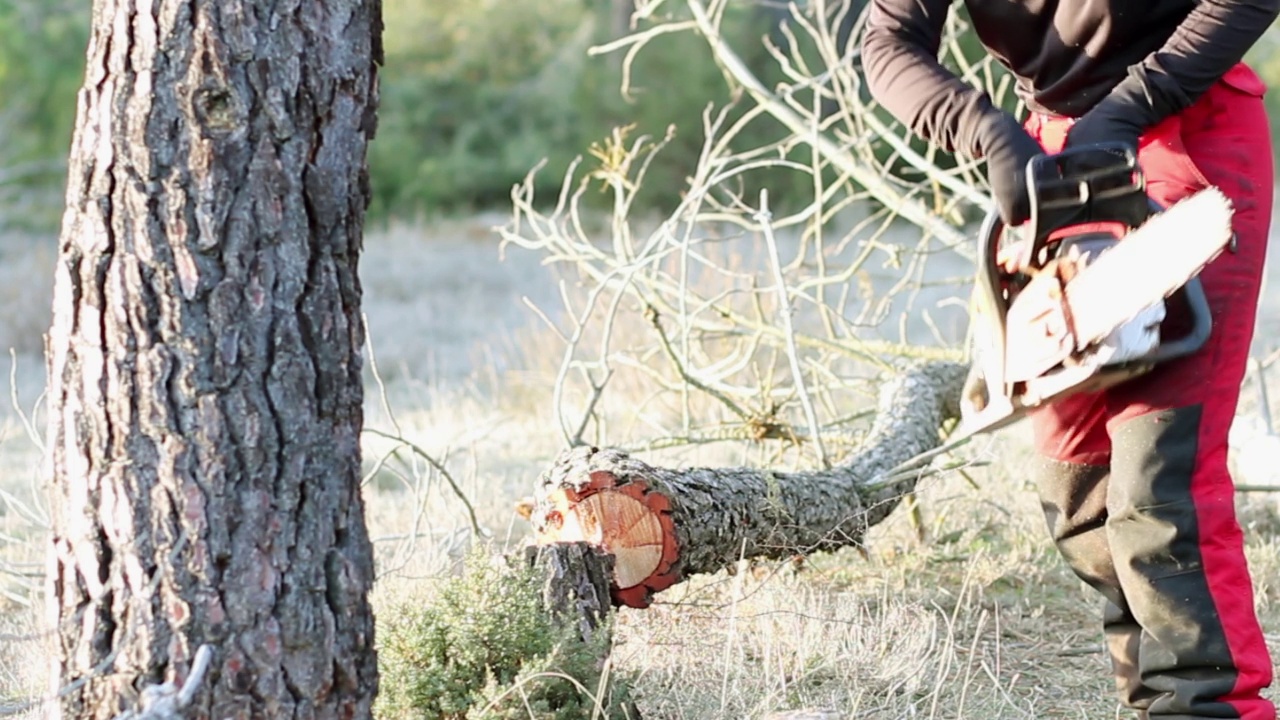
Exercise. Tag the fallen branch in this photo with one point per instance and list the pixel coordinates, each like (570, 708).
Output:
(663, 525)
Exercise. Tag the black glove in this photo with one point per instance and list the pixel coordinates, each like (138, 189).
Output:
(1105, 123)
(1007, 148)
(1135, 104)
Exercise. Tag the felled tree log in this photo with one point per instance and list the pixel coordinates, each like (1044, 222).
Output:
(663, 525)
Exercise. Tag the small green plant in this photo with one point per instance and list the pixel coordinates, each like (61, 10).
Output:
(484, 648)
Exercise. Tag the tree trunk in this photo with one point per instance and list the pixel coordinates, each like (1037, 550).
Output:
(664, 525)
(204, 361)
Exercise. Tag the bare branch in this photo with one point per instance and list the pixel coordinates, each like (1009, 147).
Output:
(168, 701)
(910, 209)
(717, 353)
(417, 450)
(785, 314)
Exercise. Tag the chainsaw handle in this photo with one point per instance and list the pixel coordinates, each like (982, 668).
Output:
(1201, 326)
(1197, 305)
(1088, 184)
(989, 285)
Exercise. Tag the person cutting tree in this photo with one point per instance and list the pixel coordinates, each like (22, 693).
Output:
(1133, 479)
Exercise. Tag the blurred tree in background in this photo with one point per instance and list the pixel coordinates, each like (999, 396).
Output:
(474, 95)
(42, 47)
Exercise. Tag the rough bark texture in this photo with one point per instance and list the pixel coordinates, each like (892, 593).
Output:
(719, 515)
(577, 584)
(204, 361)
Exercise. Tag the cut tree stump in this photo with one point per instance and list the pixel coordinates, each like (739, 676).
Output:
(662, 525)
(577, 588)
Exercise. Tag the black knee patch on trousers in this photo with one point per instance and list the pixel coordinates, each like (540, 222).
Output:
(1155, 543)
(1074, 500)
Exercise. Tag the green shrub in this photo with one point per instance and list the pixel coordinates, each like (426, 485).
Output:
(474, 95)
(483, 648)
(42, 50)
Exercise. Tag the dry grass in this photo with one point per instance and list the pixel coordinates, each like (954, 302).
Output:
(976, 619)
(26, 279)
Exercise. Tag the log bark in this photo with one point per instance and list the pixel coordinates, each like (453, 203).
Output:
(204, 361)
(577, 588)
(665, 524)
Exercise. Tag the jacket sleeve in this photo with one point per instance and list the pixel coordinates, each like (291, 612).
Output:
(900, 61)
(1215, 36)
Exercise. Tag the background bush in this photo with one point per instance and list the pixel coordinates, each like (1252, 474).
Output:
(483, 648)
(474, 95)
(42, 51)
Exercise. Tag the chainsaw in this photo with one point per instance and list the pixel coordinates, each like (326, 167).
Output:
(1098, 287)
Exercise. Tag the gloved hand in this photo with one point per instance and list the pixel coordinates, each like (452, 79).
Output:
(1107, 122)
(1007, 148)
(1144, 98)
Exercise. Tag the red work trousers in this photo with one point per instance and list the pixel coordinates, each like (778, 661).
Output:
(1133, 480)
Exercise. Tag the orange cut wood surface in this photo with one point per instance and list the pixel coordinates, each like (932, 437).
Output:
(630, 521)
(620, 525)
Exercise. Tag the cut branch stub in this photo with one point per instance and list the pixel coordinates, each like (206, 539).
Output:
(630, 521)
(664, 524)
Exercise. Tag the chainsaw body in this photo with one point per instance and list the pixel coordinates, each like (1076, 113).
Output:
(1028, 347)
